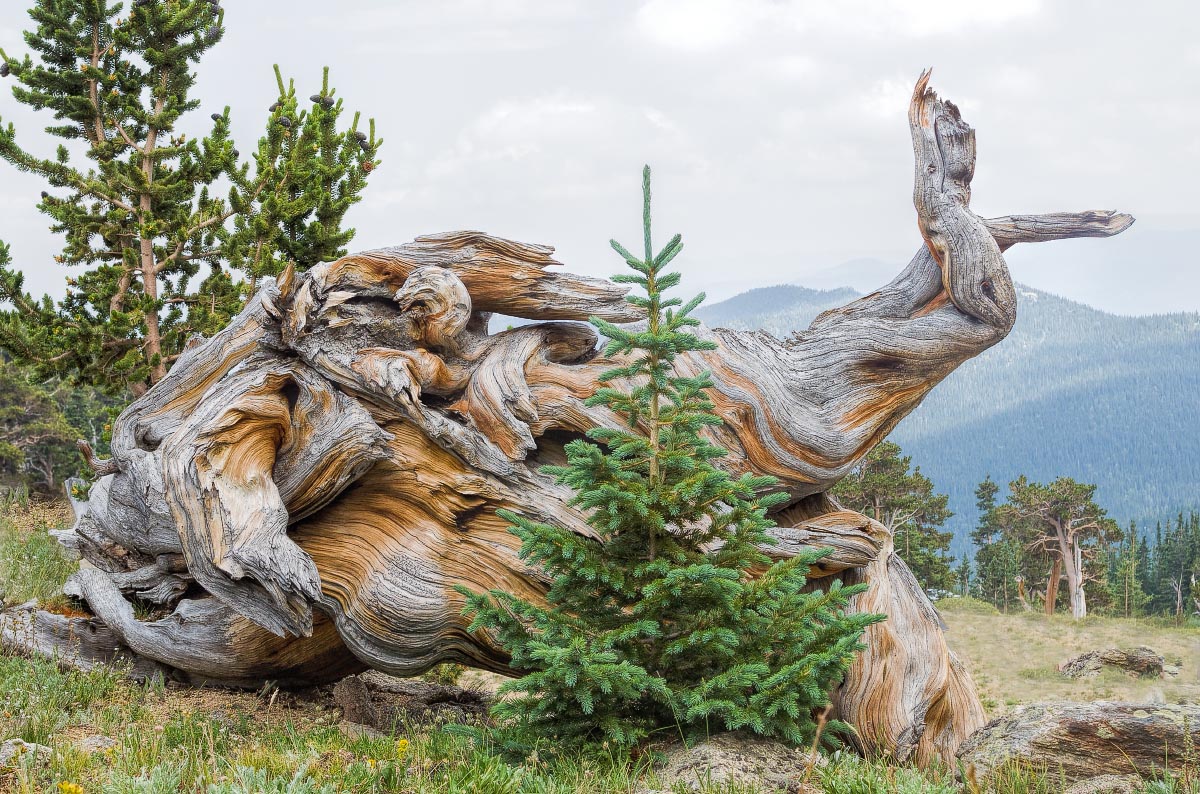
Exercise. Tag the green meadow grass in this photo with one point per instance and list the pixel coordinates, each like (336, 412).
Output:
(172, 739)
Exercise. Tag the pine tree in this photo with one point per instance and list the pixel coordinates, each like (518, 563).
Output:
(886, 487)
(660, 624)
(998, 558)
(1123, 580)
(141, 221)
(1062, 522)
(140, 213)
(1175, 563)
(307, 175)
(37, 441)
(962, 576)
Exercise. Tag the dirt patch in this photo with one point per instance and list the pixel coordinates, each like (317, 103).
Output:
(40, 514)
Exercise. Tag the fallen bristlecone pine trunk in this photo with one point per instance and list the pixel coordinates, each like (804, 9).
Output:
(1078, 742)
(1141, 662)
(302, 496)
(736, 759)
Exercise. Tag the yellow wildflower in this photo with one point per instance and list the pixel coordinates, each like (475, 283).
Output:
(401, 747)
(70, 788)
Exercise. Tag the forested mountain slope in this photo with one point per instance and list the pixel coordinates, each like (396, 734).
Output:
(1072, 391)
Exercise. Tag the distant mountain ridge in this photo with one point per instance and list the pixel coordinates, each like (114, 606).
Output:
(1072, 391)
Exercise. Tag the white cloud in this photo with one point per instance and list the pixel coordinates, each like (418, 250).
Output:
(562, 144)
(516, 130)
(704, 25)
(886, 99)
(904, 17)
(699, 25)
(776, 128)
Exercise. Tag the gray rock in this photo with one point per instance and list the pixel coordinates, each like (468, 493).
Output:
(357, 730)
(381, 701)
(354, 699)
(96, 743)
(1141, 662)
(1083, 741)
(13, 751)
(1107, 784)
(737, 758)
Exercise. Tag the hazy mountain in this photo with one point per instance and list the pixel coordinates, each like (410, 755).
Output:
(1072, 391)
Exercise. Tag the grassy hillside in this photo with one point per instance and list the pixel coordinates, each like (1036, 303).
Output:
(1014, 658)
(1072, 391)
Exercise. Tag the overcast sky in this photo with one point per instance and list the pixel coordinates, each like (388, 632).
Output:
(777, 129)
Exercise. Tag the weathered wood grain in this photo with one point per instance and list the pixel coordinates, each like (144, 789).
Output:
(304, 491)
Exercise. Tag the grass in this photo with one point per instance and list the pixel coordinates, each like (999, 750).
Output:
(173, 739)
(32, 564)
(1014, 658)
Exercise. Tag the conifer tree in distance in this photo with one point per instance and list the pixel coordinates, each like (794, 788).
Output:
(885, 486)
(661, 624)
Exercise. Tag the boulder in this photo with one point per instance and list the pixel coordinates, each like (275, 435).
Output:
(1107, 784)
(1141, 662)
(14, 751)
(1083, 741)
(381, 701)
(96, 743)
(354, 699)
(734, 758)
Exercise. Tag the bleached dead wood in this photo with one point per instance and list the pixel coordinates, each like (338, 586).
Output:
(303, 492)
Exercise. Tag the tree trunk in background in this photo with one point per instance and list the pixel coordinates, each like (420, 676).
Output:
(1074, 571)
(302, 493)
(1052, 585)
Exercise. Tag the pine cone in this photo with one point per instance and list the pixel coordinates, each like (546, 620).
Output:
(362, 136)
(4, 69)
(315, 98)
(216, 117)
(213, 35)
(274, 107)
(327, 102)
(286, 123)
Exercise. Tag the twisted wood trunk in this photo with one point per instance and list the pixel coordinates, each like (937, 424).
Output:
(301, 494)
